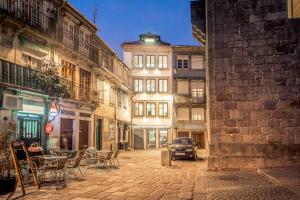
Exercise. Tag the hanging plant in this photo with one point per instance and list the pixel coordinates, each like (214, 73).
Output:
(52, 84)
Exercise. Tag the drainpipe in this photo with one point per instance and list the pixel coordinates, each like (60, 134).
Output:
(208, 137)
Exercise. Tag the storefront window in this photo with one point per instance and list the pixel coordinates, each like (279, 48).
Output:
(163, 138)
(151, 139)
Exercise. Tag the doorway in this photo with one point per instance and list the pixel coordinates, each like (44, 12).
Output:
(30, 128)
(66, 136)
(83, 133)
(99, 134)
(198, 138)
(139, 139)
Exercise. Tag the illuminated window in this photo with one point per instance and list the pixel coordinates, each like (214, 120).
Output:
(138, 85)
(84, 84)
(139, 109)
(138, 61)
(151, 109)
(293, 8)
(162, 62)
(197, 114)
(149, 40)
(150, 85)
(162, 85)
(150, 62)
(163, 109)
(197, 89)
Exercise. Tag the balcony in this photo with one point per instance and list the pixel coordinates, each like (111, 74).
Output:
(180, 99)
(25, 78)
(29, 12)
(19, 76)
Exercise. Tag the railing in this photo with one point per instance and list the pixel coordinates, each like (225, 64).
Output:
(199, 100)
(29, 12)
(20, 76)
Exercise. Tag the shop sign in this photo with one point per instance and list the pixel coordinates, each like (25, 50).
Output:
(53, 109)
(48, 128)
(33, 109)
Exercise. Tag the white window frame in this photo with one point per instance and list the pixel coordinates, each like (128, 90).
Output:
(163, 85)
(138, 109)
(150, 61)
(162, 61)
(138, 85)
(163, 109)
(151, 106)
(138, 61)
(150, 85)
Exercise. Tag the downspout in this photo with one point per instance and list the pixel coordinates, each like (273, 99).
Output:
(208, 135)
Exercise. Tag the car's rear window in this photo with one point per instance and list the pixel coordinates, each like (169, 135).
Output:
(187, 141)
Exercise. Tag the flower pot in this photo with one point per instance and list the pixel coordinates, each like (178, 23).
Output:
(7, 185)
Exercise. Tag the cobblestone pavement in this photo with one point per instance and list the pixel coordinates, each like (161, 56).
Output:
(141, 177)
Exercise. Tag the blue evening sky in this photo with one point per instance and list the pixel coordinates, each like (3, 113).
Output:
(123, 20)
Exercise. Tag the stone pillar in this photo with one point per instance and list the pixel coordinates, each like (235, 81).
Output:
(165, 158)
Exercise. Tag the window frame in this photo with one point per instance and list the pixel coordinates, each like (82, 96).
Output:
(182, 63)
(142, 85)
(143, 109)
(150, 91)
(140, 59)
(201, 118)
(163, 103)
(159, 85)
(161, 65)
(151, 103)
(152, 65)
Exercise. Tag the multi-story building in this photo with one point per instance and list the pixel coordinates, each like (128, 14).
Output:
(189, 94)
(150, 62)
(50, 53)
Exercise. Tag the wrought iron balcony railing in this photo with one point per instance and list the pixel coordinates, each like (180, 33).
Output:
(30, 12)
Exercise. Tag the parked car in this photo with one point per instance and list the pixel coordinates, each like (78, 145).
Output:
(183, 147)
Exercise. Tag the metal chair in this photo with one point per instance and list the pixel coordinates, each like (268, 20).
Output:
(90, 157)
(74, 163)
(115, 158)
(105, 159)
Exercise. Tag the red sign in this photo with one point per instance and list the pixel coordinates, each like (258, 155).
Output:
(48, 128)
(53, 109)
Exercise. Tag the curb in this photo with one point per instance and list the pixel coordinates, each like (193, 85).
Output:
(270, 178)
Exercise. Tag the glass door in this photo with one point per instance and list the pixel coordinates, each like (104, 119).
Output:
(30, 129)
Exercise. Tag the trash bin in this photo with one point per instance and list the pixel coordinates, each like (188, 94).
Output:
(165, 158)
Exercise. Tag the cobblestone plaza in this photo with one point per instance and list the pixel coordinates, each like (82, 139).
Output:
(141, 176)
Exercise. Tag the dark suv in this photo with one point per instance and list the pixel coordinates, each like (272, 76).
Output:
(183, 147)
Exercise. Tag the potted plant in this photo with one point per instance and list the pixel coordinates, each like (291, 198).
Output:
(7, 176)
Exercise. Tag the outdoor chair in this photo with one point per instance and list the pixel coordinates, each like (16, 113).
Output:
(115, 158)
(74, 163)
(106, 159)
(57, 168)
(90, 157)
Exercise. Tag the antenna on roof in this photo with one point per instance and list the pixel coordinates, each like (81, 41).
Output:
(95, 13)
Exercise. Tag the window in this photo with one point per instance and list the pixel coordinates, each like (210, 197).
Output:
(100, 89)
(182, 87)
(293, 9)
(163, 138)
(197, 90)
(68, 72)
(162, 62)
(68, 34)
(183, 114)
(182, 62)
(150, 85)
(31, 11)
(138, 85)
(162, 85)
(163, 109)
(31, 62)
(84, 42)
(105, 60)
(125, 100)
(150, 62)
(84, 84)
(139, 109)
(112, 96)
(197, 62)
(120, 98)
(151, 109)
(197, 114)
(138, 61)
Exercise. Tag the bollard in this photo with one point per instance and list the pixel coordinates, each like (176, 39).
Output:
(165, 158)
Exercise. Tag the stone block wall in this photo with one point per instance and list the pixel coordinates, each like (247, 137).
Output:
(254, 84)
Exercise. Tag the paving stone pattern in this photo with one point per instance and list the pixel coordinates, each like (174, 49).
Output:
(141, 177)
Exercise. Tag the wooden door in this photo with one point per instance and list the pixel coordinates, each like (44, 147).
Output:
(139, 139)
(83, 133)
(66, 136)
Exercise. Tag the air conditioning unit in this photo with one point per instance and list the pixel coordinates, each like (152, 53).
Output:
(12, 102)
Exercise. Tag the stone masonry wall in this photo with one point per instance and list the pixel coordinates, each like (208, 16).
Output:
(254, 73)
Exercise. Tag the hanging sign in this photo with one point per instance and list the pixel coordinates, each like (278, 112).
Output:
(48, 128)
(53, 109)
